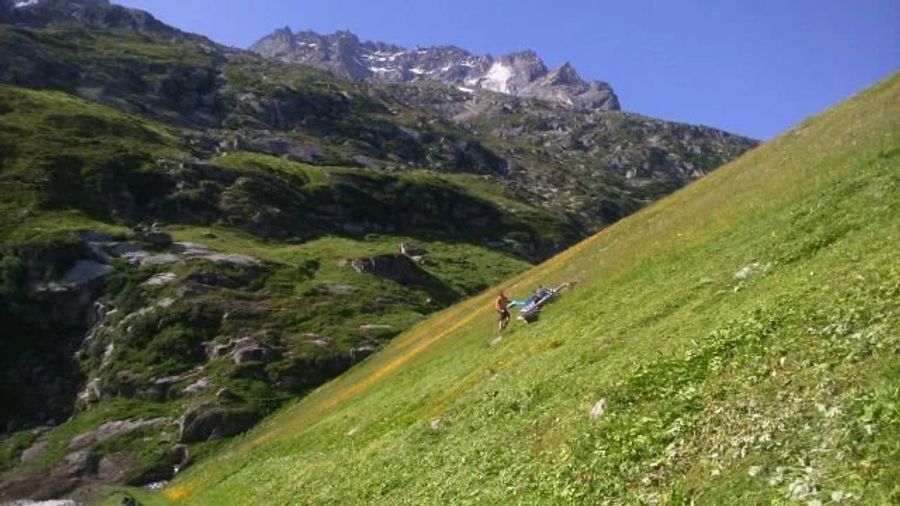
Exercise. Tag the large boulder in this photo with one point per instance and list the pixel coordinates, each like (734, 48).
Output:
(152, 235)
(411, 249)
(205, 422)
(397, 267)
(249, 351)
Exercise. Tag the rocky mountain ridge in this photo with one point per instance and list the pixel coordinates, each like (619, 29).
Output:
(95, 13)
(521, 74)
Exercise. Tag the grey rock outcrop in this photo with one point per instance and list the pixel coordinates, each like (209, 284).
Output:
(34, 451)
(521, 74)
(110, 430)
(397, 267)
(205, 422)
(245, 350)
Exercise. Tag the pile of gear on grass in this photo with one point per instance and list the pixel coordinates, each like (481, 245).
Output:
(530, 306)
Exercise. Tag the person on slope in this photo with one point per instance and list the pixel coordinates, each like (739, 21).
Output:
(501, 305)
(534, 300)
(540, 293)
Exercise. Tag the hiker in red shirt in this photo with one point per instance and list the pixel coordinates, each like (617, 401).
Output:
(500, 305)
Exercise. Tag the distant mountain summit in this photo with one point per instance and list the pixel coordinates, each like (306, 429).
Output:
(94, 13)
(521, 74)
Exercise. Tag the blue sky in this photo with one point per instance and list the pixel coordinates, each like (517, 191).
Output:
(752, 67)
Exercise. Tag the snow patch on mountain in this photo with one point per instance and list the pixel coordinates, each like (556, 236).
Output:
(497, 78)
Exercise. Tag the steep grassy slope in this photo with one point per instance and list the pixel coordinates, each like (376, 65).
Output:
(743, 334)
(191, 231)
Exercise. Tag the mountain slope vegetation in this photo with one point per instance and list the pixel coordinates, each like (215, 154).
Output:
(733, 343)
(192, 235)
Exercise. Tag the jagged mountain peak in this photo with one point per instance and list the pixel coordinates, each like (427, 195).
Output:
(520, 73)
(96, 13)
(284, 31)
(564, 74)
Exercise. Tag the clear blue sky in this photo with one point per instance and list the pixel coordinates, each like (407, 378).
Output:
(754, 67)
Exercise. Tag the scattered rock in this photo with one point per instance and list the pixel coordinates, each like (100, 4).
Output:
(411, 250)
(317, 340)
(375, 326)
(249, 351)
(748, 271)
(196, 387)
(152, 235)
(165, 302)
(799, 490)
(232, 259)
(90, 393)
(34, 451)
(163, 259)
(337, 289)
(110, 430)
(214, 351)
(598, 409)
(840, 495)
(171, 380)
(226, 395)
(163, 278)
(190, 248)
(361, 352)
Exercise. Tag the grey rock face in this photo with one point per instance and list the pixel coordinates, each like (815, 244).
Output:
(111, 430)
(520, 74)
(248, 351)
(81, 274)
